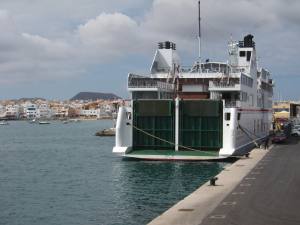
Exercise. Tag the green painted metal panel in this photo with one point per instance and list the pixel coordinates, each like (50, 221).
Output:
(155, 117)
(201, 124)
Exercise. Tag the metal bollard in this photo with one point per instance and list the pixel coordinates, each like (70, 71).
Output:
(212, 181)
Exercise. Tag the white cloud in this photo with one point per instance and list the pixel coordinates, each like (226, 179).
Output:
(50, 49)
(47, 40)
(25, 57)
(109, 35)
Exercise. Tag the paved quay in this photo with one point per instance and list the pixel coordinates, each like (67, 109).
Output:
(196, 206)
(262, 189)
(268, 195)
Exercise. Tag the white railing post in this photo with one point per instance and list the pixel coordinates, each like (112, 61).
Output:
(176, 123)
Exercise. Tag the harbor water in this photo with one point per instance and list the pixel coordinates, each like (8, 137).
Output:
(62, 174)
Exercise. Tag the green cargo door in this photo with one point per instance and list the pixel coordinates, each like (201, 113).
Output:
(155, 117)
(200, 124)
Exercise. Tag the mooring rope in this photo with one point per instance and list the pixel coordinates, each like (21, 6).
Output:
(253, 140)
(169, 142)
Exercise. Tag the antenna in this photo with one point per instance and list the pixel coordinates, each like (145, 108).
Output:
(199, 35)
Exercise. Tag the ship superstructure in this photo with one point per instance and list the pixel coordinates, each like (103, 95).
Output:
(207, 111)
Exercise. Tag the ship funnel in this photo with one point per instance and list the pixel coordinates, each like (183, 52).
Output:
(248, 41)
(166, 59)
(167, 45)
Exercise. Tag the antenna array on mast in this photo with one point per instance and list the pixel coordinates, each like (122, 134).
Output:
(199, 36)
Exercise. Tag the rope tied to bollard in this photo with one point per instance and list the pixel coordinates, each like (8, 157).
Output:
(253, 140)
(169, 142)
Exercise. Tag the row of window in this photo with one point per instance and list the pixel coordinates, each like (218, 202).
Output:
(227, 116)
(259, 102)
(281, 109)
(259, 126)
(246, 53)
(245, 80)
(244, 96)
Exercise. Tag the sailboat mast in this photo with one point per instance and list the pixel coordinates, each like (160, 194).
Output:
(199, 36)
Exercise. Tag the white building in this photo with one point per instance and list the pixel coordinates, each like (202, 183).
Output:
(60, 111)
(44, 111)
(108, 108)
(30, 110)
(90, 113)
(12, 111)
(2, 111)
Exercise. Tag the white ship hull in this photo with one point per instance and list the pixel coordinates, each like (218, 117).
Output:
(239, 136)
(215, 110)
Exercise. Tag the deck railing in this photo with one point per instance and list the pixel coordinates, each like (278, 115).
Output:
(223, 84)
(232, 104)
(137, 81)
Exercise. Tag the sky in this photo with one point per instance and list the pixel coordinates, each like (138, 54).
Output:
(57, 48)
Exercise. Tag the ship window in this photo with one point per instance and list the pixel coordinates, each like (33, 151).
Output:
(242, 53)
(243, 96)
(248, 56)
(227, 116)
(239, 116)
(128, 115)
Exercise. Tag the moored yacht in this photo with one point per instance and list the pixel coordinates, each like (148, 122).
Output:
(4, 123)
(44, 122)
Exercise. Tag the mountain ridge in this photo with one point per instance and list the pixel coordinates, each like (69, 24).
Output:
(85, 95)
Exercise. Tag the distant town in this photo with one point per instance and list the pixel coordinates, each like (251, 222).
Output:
(79, 107)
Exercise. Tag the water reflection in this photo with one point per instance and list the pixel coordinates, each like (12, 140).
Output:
(63, 174)
(145, 189)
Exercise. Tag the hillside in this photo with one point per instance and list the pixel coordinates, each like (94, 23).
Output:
(30, 99)
(95, 96)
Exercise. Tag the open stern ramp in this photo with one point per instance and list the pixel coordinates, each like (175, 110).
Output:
(199, 124)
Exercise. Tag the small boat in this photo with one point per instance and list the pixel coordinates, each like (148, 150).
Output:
(74, 120)
(65, 122)
(44, 122)
(32, 121)
(106, 132)
(4, 123)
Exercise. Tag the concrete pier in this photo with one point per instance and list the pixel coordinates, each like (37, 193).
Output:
(260, 190)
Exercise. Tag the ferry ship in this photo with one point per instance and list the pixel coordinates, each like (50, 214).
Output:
(211, 110)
